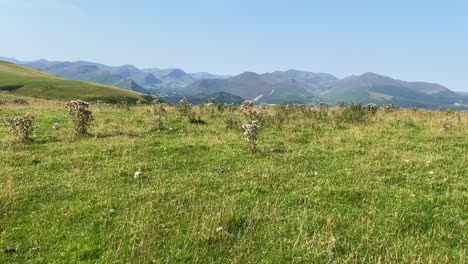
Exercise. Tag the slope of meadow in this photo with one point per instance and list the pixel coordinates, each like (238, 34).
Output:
(326, 185)
(26, 81)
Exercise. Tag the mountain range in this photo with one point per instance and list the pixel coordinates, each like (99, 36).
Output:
(279, 87)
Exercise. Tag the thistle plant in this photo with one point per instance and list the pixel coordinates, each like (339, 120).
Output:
(81, 115)
(158, 107)
(259, 114)
(209, 108)
(124, 105)
(55, 131)
(158, 124)
(251, 131)
(389, 107)
(212, 102)
(249, 110)
(371, 108)
(247, 105)
(231, 123)
(230, 107)
(18, 101)
(446, 124)
(21, 127)
(56, 126)
(184, 106)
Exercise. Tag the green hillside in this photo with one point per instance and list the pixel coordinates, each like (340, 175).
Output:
(26, 81)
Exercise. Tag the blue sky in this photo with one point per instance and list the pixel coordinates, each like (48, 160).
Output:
(410, 40)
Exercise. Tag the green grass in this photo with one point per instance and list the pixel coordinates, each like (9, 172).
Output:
(392, 189)
(26, 81)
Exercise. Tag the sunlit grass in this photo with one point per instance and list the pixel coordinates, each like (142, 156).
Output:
(392, 188)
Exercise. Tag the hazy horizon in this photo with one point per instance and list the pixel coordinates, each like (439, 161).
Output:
(417, 41)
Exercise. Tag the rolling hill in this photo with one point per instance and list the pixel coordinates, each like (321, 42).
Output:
(26, 81)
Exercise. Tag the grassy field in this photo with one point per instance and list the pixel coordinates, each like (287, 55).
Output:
(24, 81)
(326, 186)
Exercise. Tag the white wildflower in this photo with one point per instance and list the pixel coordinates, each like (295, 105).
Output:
(56, 126)
(138, 174)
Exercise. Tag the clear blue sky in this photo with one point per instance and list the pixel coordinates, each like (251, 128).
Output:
(411, 40)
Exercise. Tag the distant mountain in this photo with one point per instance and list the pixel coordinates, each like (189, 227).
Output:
(207, 75)
(270, 88)
(12, 60)
(374, 88)
(307, 88)
(146, 80)
(172, 78)
(463, 102)
(279, 87)
(247, 85)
